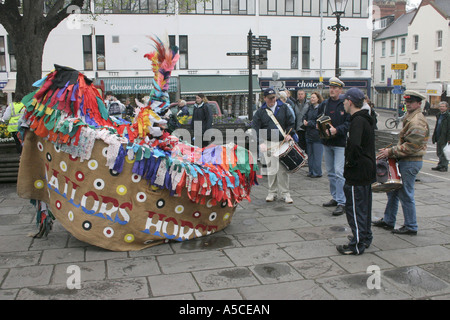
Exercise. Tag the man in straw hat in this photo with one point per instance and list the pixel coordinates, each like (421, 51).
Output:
(409, 151)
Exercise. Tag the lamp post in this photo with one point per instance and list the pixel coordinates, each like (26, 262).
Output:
(338, 8)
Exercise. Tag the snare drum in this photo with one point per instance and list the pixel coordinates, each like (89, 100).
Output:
(393, 180)
(291, 156)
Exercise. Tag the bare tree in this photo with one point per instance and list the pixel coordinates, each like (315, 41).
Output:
(29, 23)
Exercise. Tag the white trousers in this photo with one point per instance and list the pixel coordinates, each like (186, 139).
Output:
(277, 174)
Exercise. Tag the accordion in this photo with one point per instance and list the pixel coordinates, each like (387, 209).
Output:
(324, 125)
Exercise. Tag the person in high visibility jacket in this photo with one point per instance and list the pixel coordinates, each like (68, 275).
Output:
(12, 114)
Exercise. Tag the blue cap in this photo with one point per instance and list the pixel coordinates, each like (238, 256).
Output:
(269, 91)
(355, 95)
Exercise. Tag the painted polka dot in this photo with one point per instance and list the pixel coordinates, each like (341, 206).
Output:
(105, 152)
(226, 216)
(128, 238)
(160, 203)
(39, 184)
(213, 216)
(130, 160)
(79, 176)
(87, 225)
(148, 241)
(48, 156)
(40, 146)
(223, 204)
(136, 178)
(196, 214)
(114, 173)
(57, 148)
(121, 190)
(58, 204)
(108, 232)
(209, 203)
(179, 209)
(63, 166)
(71, 157)
(70, 215)
(92, 164)
(99, 184)
(141, 197)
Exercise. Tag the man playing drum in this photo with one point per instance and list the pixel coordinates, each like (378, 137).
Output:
(409, 151)
(269, 138)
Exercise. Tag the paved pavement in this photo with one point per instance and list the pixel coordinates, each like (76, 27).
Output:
(270, 251)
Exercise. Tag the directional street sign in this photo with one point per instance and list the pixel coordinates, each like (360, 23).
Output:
(397, 82)
(261, 43)
(399, 66)
(237, 53)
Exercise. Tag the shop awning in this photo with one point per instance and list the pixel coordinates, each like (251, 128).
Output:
(434, 89)
(10, 86)
(383, 89)
(217, 85)
(133, 85)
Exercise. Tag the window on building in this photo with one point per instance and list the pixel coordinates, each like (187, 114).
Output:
(364, 53)
(12, 55)
(289, 5)
(383, 48)
(100, 50)
(2, 54)
(403, 45)
(416, 42)
(294, 52)
(414, 70)
(437, 68)
(87, 52)
(392, 47)
(183, 47)
(383, 73)
(439, 39)
(306, 52)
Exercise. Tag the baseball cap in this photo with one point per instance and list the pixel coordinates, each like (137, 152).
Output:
(268, 91)
(355, 95)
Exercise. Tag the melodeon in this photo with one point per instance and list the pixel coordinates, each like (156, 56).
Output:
(324, 125)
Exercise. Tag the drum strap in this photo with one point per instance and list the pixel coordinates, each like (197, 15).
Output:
(274, 119)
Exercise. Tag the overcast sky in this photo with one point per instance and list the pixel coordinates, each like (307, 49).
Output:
(413, 3)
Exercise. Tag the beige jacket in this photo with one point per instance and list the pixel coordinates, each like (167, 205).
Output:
(413, 138)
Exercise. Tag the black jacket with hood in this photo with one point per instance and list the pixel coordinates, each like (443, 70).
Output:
(360, 161)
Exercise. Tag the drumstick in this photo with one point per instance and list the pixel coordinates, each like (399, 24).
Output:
(284, 140)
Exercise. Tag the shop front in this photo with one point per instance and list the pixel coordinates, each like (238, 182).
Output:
(134, 87)
(310, 85)
(229, 91)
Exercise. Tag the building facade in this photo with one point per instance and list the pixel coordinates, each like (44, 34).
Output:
(108, 39)
(429, 71)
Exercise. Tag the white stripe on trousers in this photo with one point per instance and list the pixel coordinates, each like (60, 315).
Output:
(354, 218)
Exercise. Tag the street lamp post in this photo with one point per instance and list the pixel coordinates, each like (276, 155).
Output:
(338, 7)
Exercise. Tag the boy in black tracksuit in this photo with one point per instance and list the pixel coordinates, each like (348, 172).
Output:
(359, 173)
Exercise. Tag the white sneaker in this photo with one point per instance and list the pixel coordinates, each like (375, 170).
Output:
(270, 198)
(288, 199)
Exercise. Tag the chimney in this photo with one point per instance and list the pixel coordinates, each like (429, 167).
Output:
(400, 8)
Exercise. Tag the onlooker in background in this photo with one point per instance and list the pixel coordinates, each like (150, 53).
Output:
(369, 106)
(129, 108)
(201, 116)
(12, 114)
(441, 135)
(114, 107)
(300, 109)
(334, 146)
(183, 110)
(314, 147)
(284, 98)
